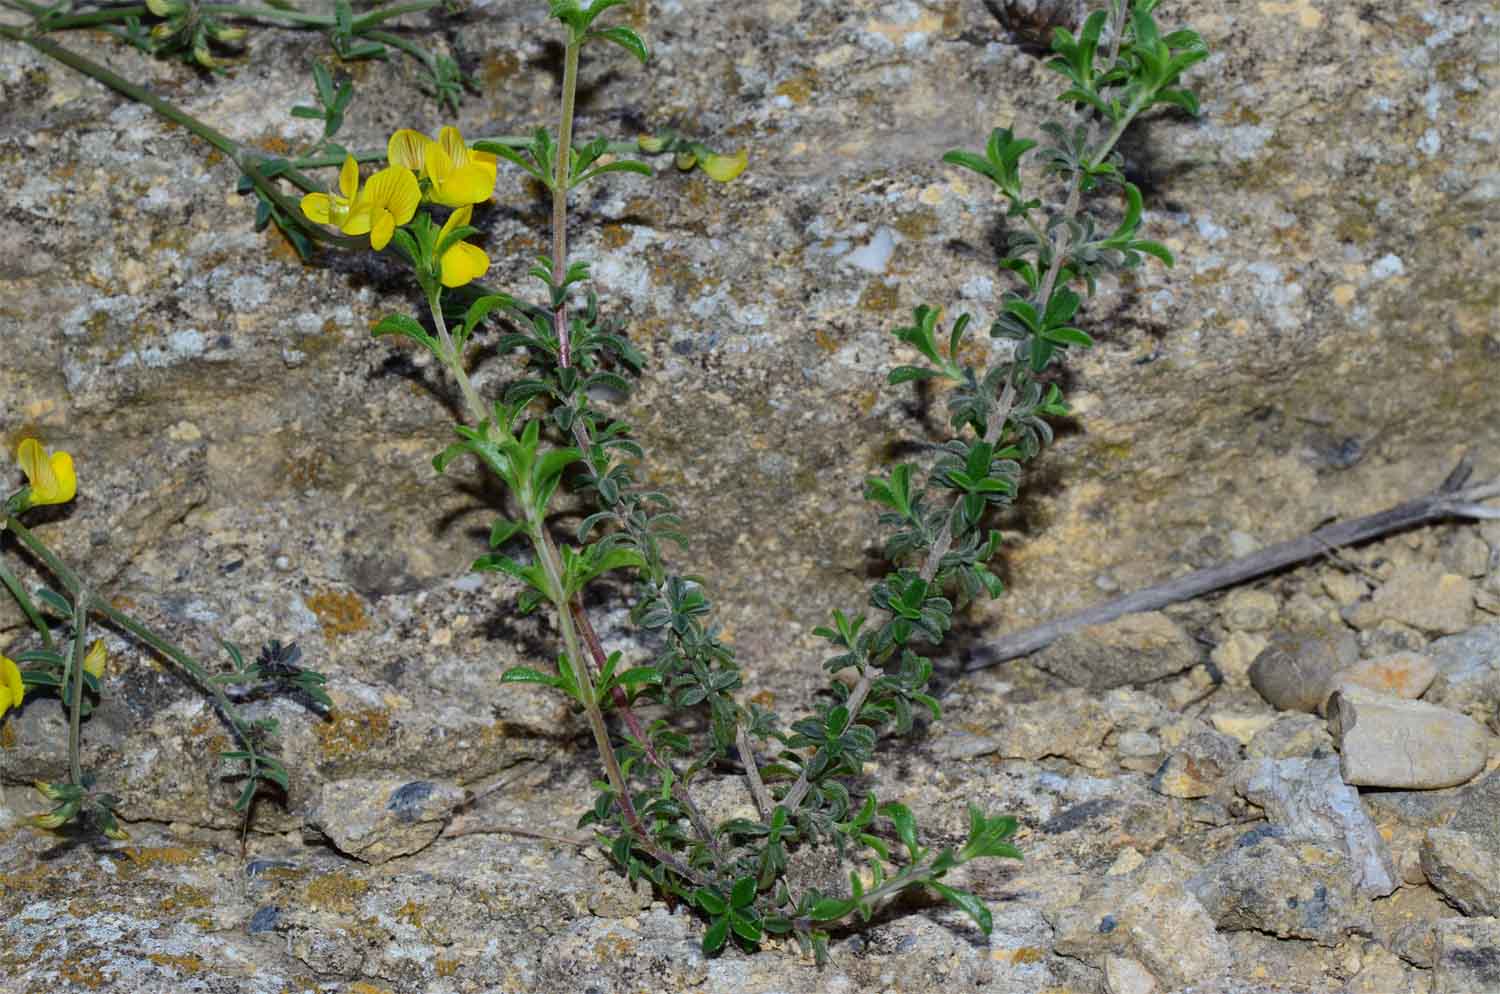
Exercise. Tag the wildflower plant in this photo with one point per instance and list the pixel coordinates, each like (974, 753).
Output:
(65, 663)
(1071, 215)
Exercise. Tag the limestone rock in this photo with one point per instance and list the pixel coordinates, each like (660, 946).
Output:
(1149, 916)
(376, 820)
(1383, 972)
(1468, 956)
(1246, 609)
(1292, 735)
(1400, 674)
(1197, 766)
(1420, 595)
(1137, 648)
(1290, 888)
(1295, 671)
(1308, 799)
(1468, 674)
(1465, 869)
(1412, 745)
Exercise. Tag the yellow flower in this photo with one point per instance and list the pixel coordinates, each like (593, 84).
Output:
(462, 263)
(96, 659)
(12, 690)
(325, 209)
(388, 200)
(51, 477)
(725, 167)
(456, 174)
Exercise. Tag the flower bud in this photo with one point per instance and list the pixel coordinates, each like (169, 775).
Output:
(166, 8)
(96, 659)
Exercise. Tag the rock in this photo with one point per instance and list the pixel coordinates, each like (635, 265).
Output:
(1235, 653)
(376, 820)
(1344, 588)
(1123, 975)
(1420, 595)
(1400, 674)
(1293, 889)
(1468, 673)
(1295, 671)
(1467, 553)
(1243, 728)
(1464, 869)
(1386, 742)
(1136, 648)
(1383, 972)
(1148, 916)
(1248, 610)
(1197, 766)
(1292, 735)
(1055, 725)
(1308, 799)
(1468, 956)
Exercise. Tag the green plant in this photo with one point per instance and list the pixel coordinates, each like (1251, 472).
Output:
(546, 432)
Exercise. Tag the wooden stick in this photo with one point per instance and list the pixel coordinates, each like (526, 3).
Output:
(1450, 500)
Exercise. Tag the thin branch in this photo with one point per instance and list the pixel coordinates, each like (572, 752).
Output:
(1446, 502)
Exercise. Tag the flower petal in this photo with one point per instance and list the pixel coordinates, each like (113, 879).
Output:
(318, 207)
(12, 690)
(438, 164)
(471, 184)
(463, 263)
(406, 148)
(405, 197)
(382, 230)
(64, 481)
(349, 178)
(51, 477)
(456, 220)
(359, 220)
(453, 145)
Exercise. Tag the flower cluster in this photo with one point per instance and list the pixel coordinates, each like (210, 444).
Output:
(445, 172)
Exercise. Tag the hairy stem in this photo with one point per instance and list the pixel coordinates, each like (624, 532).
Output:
(560, 178)
(81, 600)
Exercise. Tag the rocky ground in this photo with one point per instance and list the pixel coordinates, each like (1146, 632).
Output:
(1287, 787)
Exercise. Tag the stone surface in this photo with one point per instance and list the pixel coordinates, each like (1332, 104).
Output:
(1420, 595)
(1308, 799)
(1464, 869)
(1382, 972)
(1468, 677)
(1248, 610)
(1401, 674)
(1386, 742)
(1149, 916)
(1295, 671)
(1135, 649)
(378, 820)
(1292, 735)
(1290, 888)
(1197, 766)
(1468, 956)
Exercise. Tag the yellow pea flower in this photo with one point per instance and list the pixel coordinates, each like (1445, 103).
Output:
(389, 199)
(326, 209)
(12, 690)
(462, 263)
(96, 659)
(456, 174)
(51, 477)
(725, 167)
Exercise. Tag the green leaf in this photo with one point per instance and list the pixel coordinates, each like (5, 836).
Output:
(904, 823)
(403, 326)
(830, 909)
(905, 374)
(626, 39)
(502, 531)
(711, 902)
(716, 936)
(743, 893)
(971, 905)
(1068, 336)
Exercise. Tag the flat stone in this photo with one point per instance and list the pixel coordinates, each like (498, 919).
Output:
(1383, 972)
(1421, 595)
(376, 820)
(1308, 799)
(1243, 728)
(1235, 654)
(1386, 742)
(1123, 975)
(1295, 671)
(1400, 674)
(1464, 869)
(1137, 648)
(1468, 956)
(1293, 889)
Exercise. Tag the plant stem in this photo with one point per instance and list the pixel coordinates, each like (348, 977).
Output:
(561, 175)
(994, 428)
(81, 600)
(763, 802)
